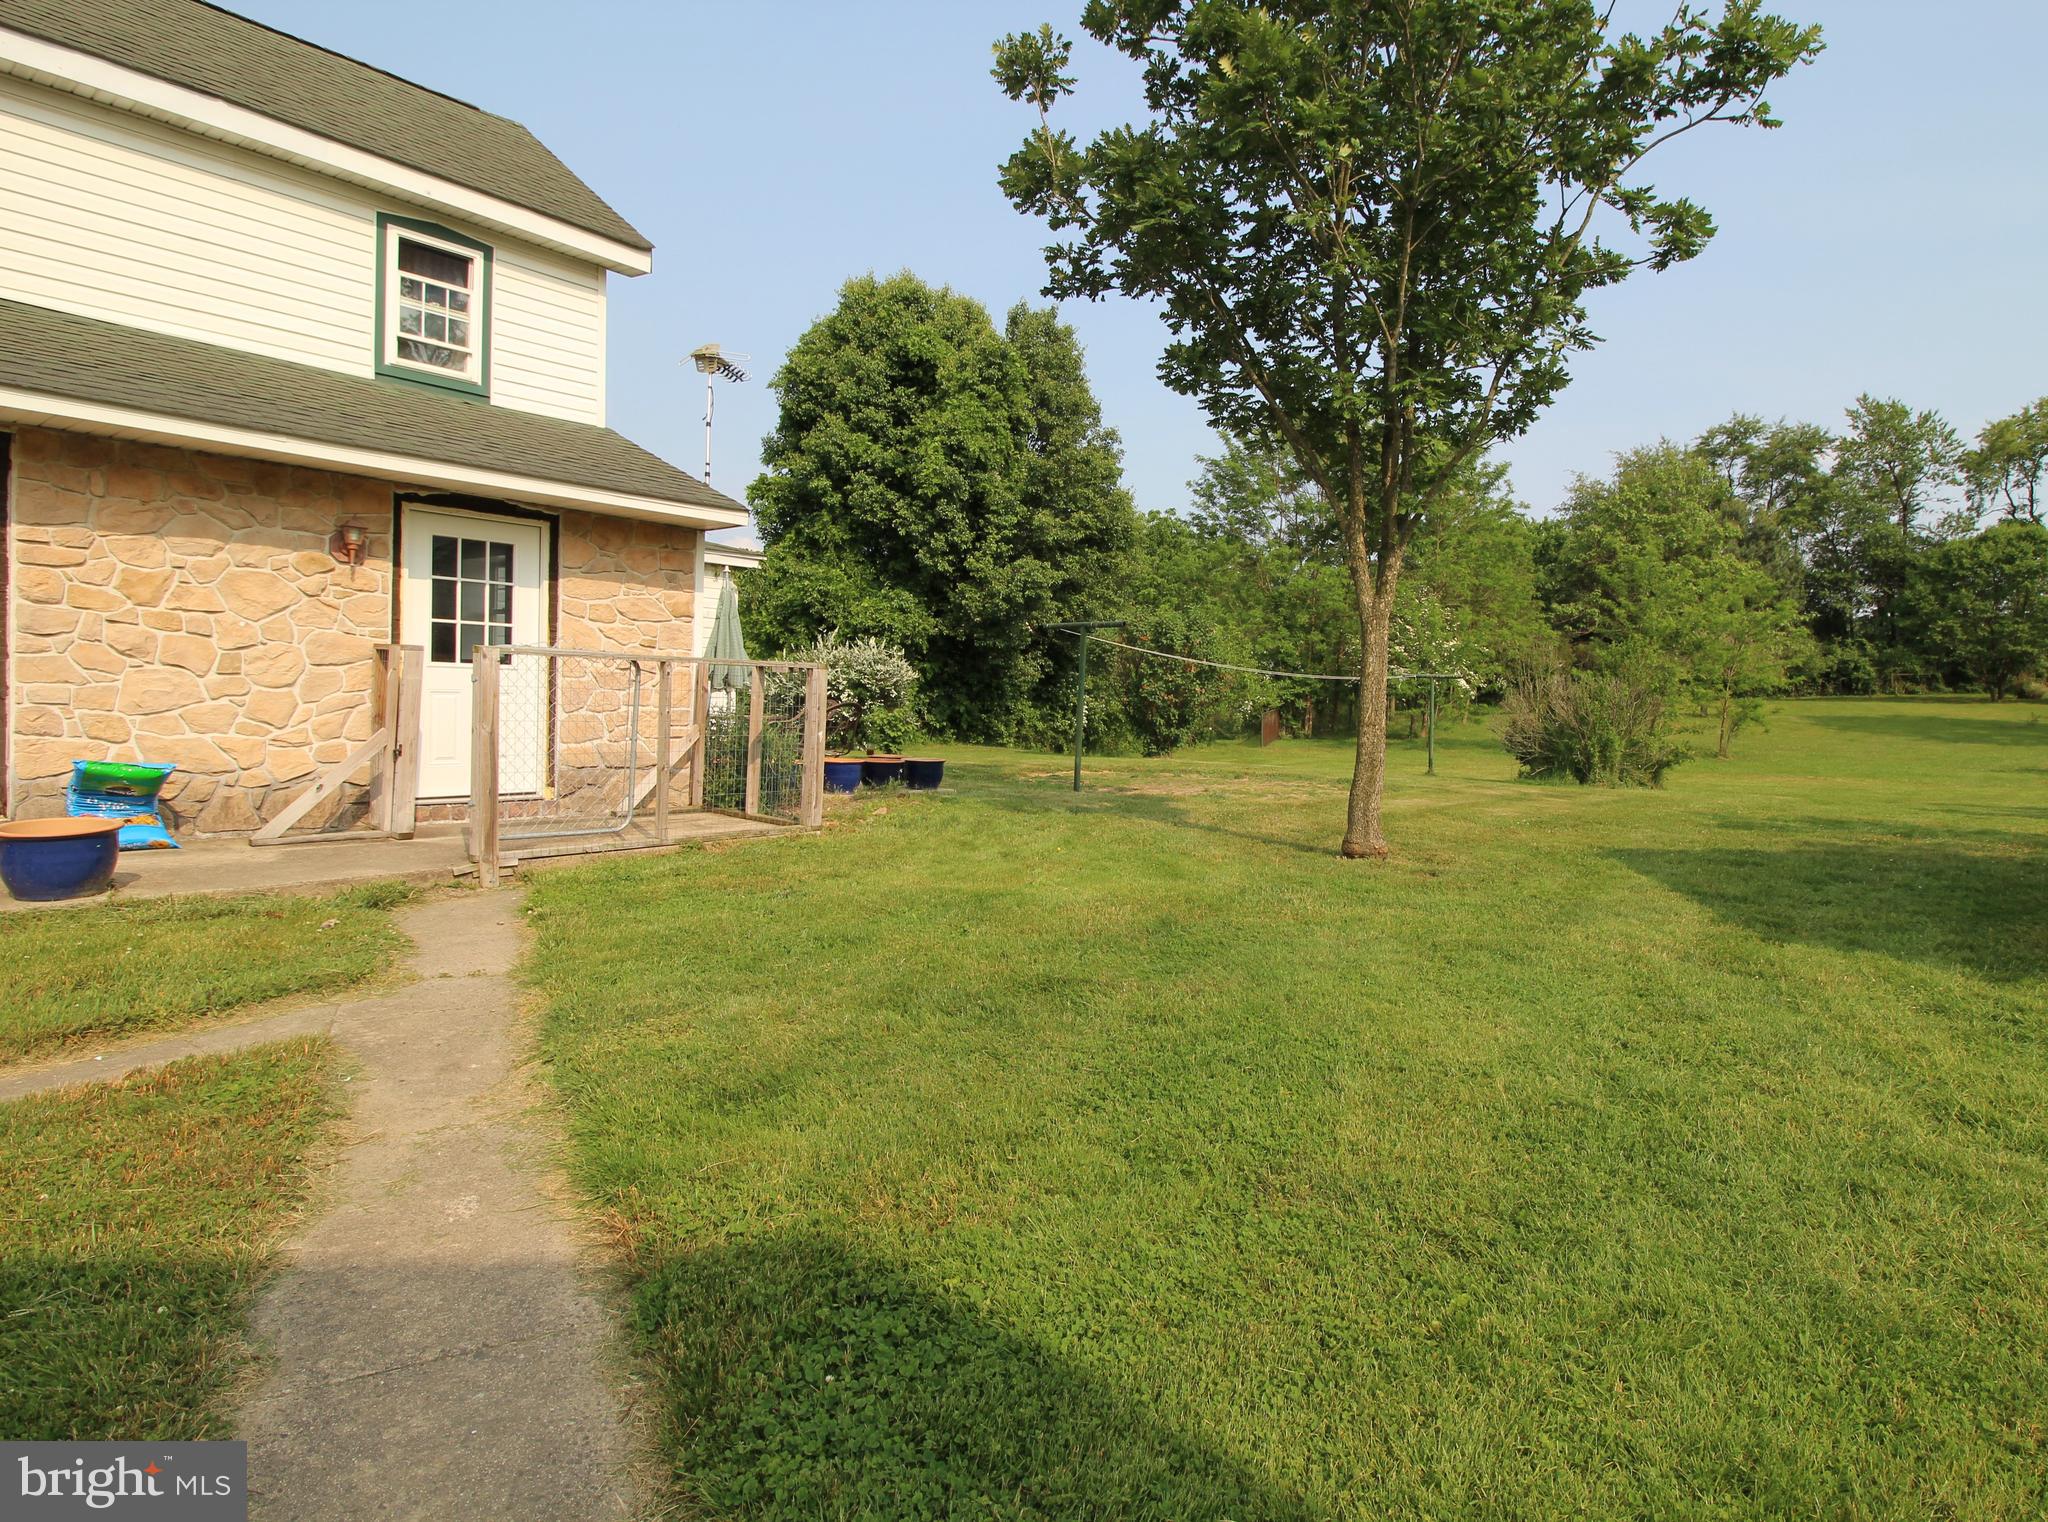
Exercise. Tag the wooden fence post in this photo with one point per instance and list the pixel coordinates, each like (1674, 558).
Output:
(700, 707)
(385, 670)
(750, 802)
(405, 742)
(663, 747)
(811, 807)
(483, 766)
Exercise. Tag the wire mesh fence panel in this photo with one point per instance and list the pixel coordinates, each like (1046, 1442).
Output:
(596, 750)
(782, 744)
(732, 780)
(578, 741)
(725, 751)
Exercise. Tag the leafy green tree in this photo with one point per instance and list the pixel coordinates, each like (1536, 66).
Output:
(1474, 554)
(1165, 703)
(1894, 478)
(1650, 566)
(1370, 226)
(1979, 605)
(1743, 637)
(1776, 475)
(943, 487)
(1907, 461)
(2004, 470)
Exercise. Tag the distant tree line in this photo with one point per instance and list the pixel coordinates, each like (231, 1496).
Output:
(1892, 556)
(947, 487)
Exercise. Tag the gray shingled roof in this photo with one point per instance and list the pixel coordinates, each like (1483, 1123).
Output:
(59, 354)
(204, 48)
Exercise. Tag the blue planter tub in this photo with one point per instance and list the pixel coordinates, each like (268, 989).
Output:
(842, 773)
(880, 771)
(922, 775)
(42, 859)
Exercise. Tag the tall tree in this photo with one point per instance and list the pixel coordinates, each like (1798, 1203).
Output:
(2004, 470)
(938, 484)
(1908, 461)
(1474, 553)
(1775, 474)
(1978, 606)
(1650, 563)
(1371, 224)
(1257, 558)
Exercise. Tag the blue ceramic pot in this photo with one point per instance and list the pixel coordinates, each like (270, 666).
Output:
(923, 776)
(841, 775)
(880, 771)
(42, 859)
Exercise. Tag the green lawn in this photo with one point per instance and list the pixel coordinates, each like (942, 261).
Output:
(136, 1221)
(121, 969)
(1658, 1155)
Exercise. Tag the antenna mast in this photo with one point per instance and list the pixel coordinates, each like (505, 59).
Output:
(713, 364)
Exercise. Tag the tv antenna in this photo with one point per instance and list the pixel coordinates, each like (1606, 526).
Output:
(714, 364)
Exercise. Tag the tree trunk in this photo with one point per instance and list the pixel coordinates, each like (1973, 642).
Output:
(1362, 835)
(1727, 707)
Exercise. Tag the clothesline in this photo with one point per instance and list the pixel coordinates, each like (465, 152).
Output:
(1293, 676)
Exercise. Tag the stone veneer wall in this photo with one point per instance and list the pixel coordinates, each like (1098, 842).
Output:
(630, 586)
(626, 584)
(171, 605)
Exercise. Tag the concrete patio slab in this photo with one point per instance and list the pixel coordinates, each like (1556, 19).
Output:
(436, 855)
(235, 866)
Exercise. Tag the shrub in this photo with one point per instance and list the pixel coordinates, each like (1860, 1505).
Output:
(1604, 728)
(867, 692)
(1165, 703)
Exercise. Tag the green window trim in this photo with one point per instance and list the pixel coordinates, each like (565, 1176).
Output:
(388, 224)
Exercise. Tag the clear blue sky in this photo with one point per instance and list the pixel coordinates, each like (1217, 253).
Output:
(1889, 238)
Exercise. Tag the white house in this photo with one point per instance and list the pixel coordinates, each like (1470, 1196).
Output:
(297, 358)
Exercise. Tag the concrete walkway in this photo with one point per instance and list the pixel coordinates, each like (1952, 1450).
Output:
(434, 1353)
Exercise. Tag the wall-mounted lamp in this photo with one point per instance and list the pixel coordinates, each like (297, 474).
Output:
(349, 543)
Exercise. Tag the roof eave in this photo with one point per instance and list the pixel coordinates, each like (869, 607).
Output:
(21, 407)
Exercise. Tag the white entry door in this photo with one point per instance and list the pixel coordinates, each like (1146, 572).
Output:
(472, 579)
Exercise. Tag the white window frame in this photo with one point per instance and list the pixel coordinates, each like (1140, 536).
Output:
(476, 378)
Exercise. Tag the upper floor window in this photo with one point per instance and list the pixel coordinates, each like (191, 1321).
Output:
(433, 305)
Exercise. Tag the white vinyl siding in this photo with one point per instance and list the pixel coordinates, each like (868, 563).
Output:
(547, 334)
(118, 217)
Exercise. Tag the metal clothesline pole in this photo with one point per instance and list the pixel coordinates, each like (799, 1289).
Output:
(1080, 631)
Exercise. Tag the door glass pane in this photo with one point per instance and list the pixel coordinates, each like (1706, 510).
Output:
(471, 596)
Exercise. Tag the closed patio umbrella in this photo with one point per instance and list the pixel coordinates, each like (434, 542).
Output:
(727, 644)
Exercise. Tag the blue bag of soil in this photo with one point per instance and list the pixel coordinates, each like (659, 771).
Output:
(123, 790)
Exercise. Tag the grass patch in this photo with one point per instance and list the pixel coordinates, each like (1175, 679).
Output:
(122, 969)
(1126, 1155)
(136, 1221)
